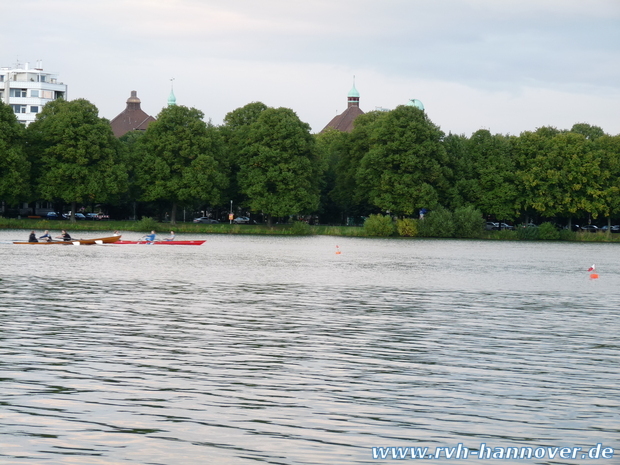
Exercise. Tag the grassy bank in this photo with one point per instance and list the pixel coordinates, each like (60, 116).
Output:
(297, 229)
(566, 236)
(161, 228)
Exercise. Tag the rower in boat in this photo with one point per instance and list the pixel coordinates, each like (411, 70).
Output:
(149, 237)
(33, 237)
(46, 237)
(64, 235)
(98, 240)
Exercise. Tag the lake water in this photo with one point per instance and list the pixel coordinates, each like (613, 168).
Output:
(277, 350)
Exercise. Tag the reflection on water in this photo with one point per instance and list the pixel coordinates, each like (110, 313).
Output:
(277, 350)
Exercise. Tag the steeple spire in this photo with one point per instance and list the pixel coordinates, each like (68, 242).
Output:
(353, 99)
(172, 100)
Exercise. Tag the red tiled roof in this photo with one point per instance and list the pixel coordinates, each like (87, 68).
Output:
(344, 121)
(132, 118)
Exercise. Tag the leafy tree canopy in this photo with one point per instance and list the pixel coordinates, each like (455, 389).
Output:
(347, 192)
(178, 159)
(559, 175)
(77, 153)
(588, 131)
(245, 116)
(491, 159)
(235, 132)
(405, 168)
(279, 168)
(14, 165)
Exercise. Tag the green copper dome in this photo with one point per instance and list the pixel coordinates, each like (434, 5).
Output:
(414, 102)
(353, 92)
(172, 100)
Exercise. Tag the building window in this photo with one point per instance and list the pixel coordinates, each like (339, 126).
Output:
(47, 94)
(34, 109)
(19, 108)
(34, 93)
(18, 93)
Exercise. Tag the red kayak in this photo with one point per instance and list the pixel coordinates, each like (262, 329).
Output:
(161, 242)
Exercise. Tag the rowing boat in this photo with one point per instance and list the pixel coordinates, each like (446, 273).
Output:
(98, 240)
(160, 242)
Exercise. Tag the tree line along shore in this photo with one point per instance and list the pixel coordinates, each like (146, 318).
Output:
(394, 168)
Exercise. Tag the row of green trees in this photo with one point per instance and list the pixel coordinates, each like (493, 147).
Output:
(267, 161)
(263, 158)
(401, 162)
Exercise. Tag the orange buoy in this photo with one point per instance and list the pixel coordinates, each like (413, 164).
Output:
(594, 276)
(337, 250)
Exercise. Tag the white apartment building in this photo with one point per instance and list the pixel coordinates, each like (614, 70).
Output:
(26, 90)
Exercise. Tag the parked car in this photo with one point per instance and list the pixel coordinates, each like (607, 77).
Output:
(241, 220)
(490, 226)
(614, 229)
(53, 216)
(205, 220)
(505, 226)
(589, 228)
(96, 216)
(78, 216)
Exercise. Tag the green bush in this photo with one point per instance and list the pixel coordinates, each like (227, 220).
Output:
(468, 222)
(146, 224)
(585, 236)
(548, 232)
(407, 227)
(437, 223)
(529, 233)
(379, 225)
(300, 228)
(503, 235)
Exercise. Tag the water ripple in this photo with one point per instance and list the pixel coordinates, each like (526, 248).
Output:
(187, 365)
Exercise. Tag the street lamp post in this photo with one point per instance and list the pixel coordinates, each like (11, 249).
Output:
(230, 217)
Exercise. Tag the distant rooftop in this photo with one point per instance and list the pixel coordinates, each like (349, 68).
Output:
(133, 118)
(344, 121)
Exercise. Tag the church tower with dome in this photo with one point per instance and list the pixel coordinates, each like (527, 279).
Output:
(133, 118)
(344, 121)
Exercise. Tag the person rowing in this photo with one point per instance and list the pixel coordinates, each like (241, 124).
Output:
(33, 237)
(64, 235)
(171, 236)
(149, 237)
(46, 236)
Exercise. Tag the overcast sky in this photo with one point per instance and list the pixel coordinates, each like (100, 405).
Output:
(504, 65)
